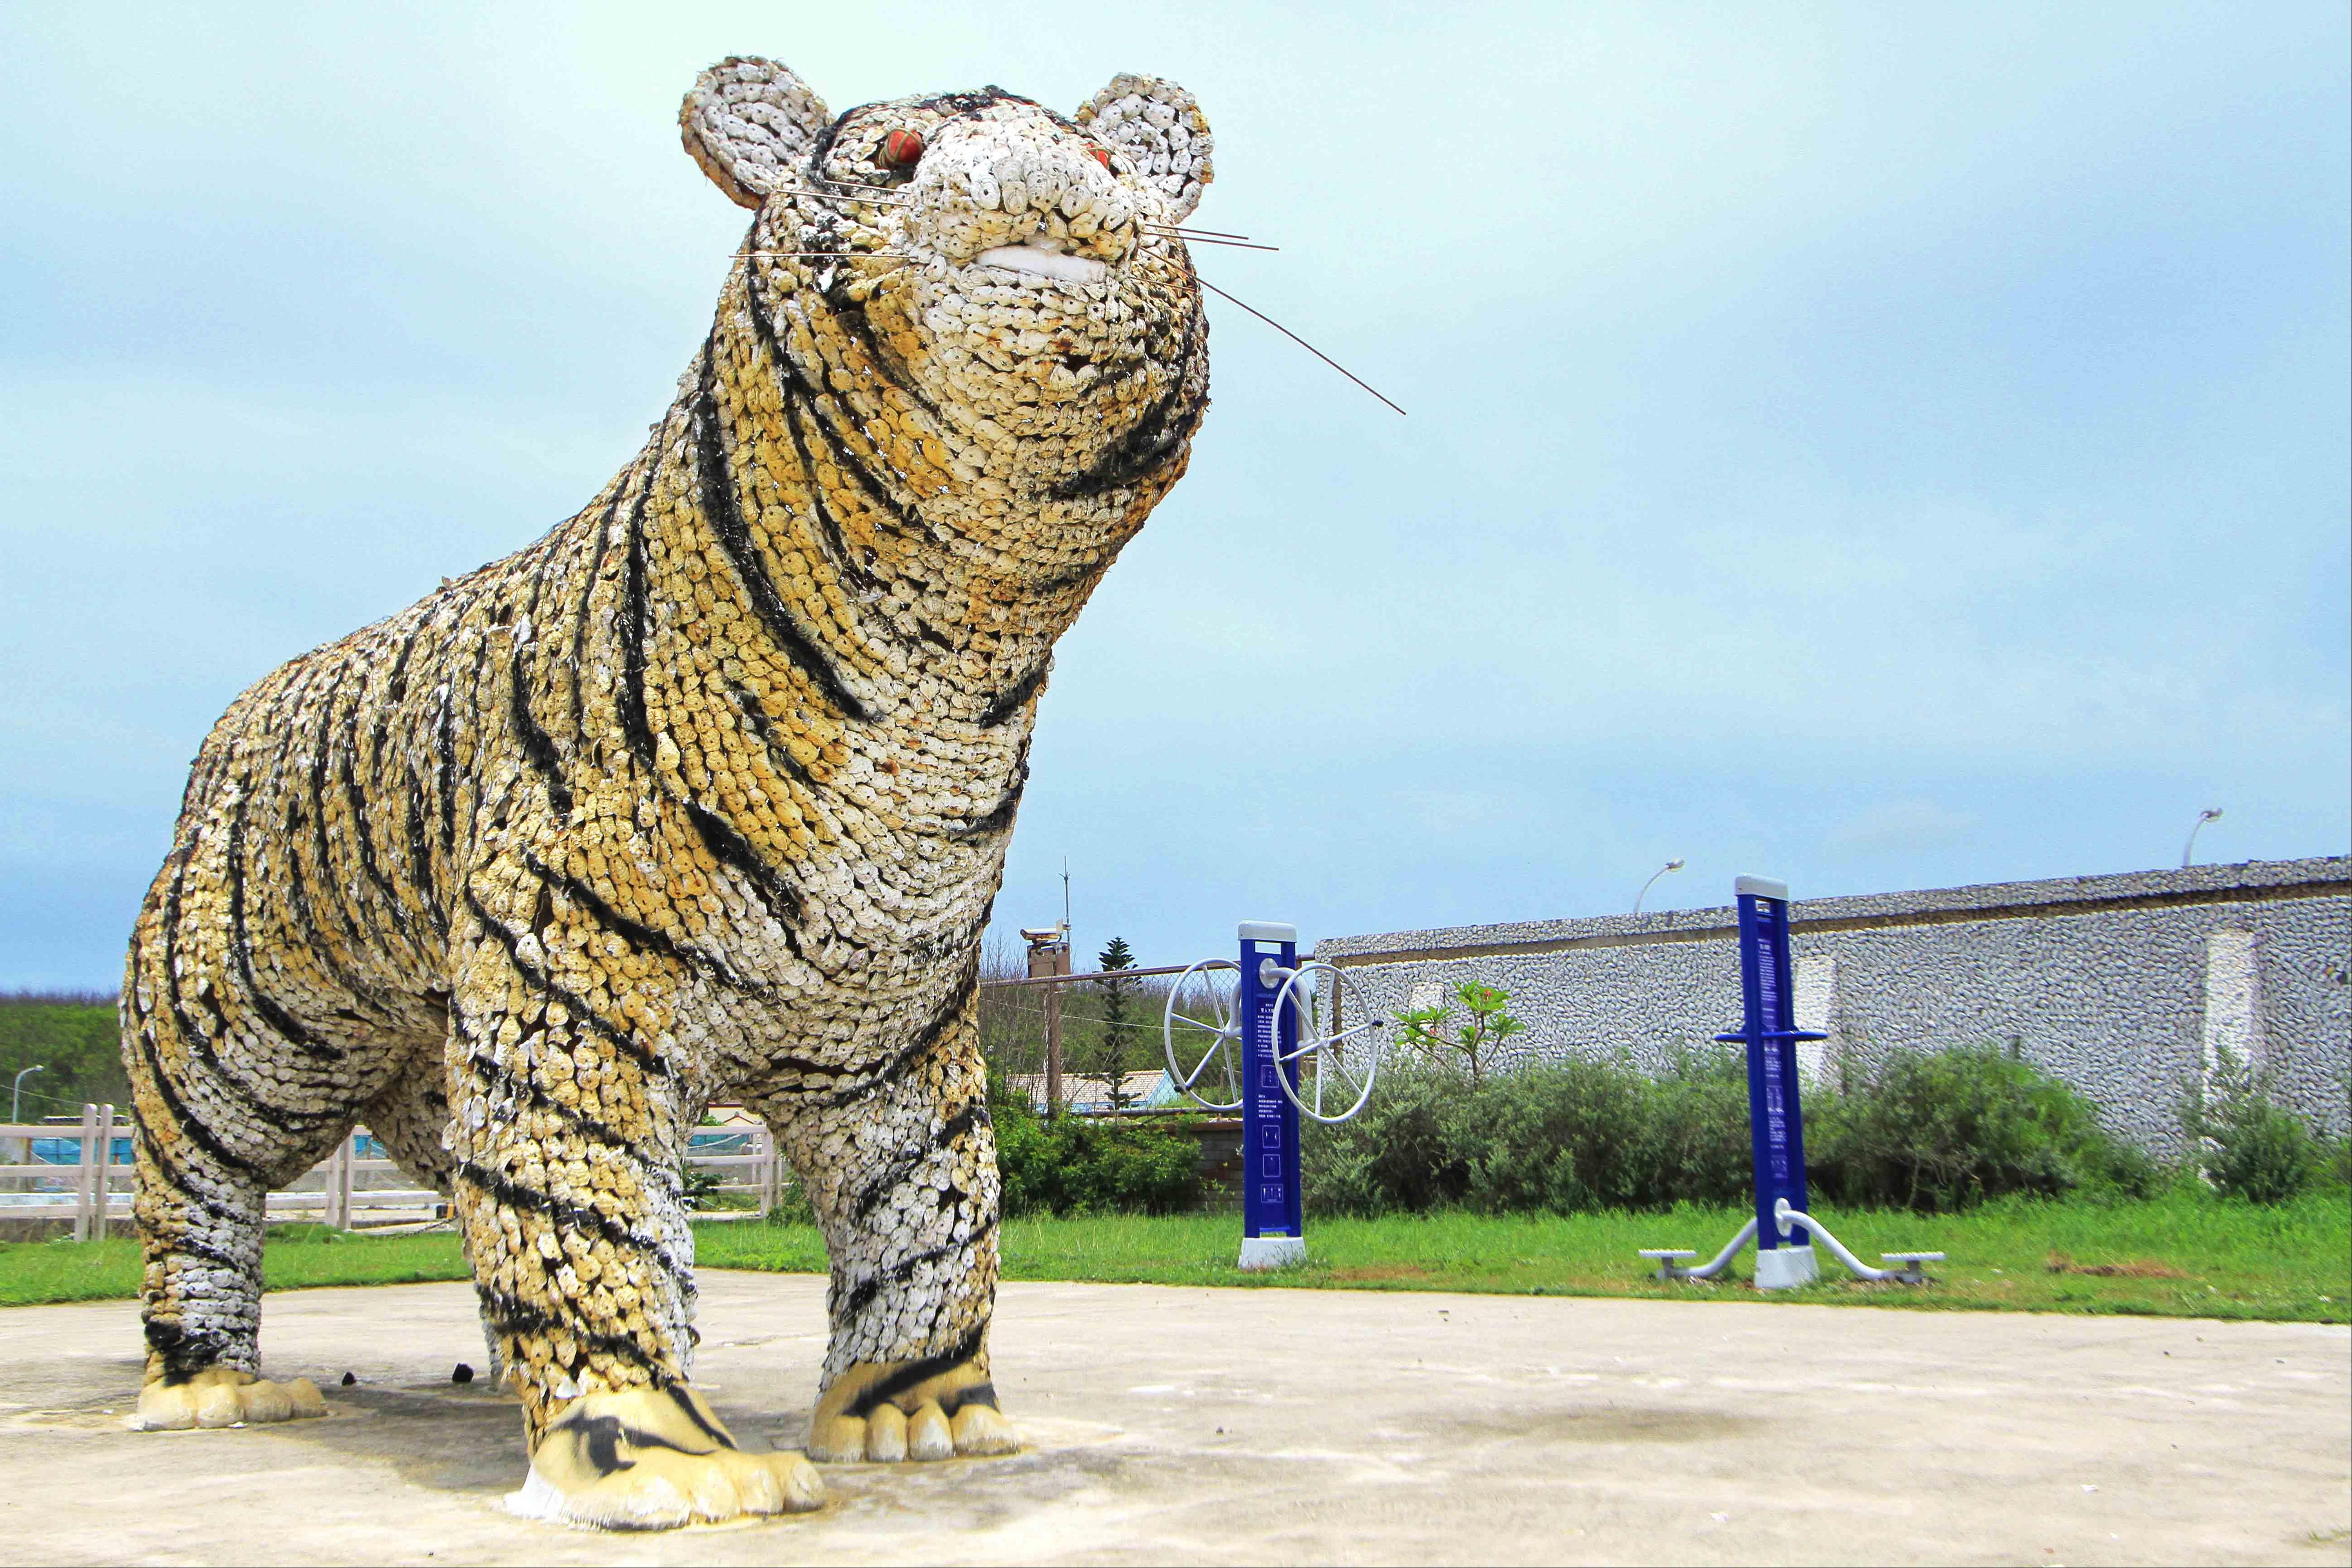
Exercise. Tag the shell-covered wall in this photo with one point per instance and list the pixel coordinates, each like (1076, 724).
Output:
(2125, 986)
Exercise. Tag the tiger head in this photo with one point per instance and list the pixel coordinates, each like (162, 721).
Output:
(1005, 276)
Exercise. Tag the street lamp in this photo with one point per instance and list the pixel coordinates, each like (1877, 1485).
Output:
(16, 1092)
(2204, 816)
(1669, 865)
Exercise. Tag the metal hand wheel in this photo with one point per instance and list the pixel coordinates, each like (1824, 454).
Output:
(1202, 1024)
(1335, 1061)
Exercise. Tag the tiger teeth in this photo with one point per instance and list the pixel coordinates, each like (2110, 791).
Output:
(1044, 263)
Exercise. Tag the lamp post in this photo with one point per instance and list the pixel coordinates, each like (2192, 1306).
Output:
(2189, 849)
(1674, 865)
(16, 1092)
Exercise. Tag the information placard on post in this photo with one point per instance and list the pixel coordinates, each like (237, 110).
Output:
(1273, 1231)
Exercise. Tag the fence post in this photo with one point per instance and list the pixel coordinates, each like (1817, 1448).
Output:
(765, 1172)
(1053, 1049)
(327, 1173)
(82, 1175)
(337, 1208)
(104, 1179)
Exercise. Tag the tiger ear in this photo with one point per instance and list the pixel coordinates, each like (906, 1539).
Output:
(747, 121)
(1161, 131)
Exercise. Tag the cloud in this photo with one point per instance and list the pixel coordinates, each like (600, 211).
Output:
(1902, 827)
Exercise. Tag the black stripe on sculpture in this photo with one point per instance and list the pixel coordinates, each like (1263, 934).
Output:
(577, 1005)
(1015, 697)
(915, 1373)
(860, 1296)
(635, 728)
(240, 946)
(538, 749)
(716, 489)
(871, 1196)
(636, 932)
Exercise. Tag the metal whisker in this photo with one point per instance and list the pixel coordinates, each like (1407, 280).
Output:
(1188, 231)
(1295, 337)
(833, 255)
(869, 201)
(1199, 239)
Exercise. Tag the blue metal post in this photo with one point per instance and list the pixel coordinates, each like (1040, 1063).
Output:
(1273, 1233)
(1775, 1117)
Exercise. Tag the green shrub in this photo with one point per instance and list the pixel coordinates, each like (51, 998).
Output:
(1075, 1164)
(2262, 1153)
(1704, 1153)
(1403, 1153)
(1562, 1137)
(1933, 1133)
(1476, 1048)
(2256, 1150)
(1944, 1130)
(701, 1187)
(2336, 1161)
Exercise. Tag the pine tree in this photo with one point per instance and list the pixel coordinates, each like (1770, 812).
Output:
(1107, 1063)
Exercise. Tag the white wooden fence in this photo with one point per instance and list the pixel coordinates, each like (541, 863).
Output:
(61, 1170)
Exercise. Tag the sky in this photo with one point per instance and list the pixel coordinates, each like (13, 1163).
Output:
(1881, 448)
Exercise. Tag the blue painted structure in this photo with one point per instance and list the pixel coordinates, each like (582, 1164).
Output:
(1769, 1029)
(1270, 1194)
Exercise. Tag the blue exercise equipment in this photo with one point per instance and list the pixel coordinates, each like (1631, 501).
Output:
(1782, 1229)
(1269, 1037)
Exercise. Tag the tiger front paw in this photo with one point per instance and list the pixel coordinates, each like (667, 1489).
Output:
(890, 1411)
(223, 1396)
(653, 1459)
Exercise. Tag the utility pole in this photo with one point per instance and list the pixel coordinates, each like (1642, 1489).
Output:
(1053, 1051)
(1053, 1009)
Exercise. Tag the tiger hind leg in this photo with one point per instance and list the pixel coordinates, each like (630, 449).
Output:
(200, 1220)
(213, 1137)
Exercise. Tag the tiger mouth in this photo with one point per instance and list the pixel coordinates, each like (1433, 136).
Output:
(1037, 261)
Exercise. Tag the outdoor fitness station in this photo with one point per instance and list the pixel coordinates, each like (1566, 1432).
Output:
(1266, 1036)
(1270, 1038)
(1782, 1229)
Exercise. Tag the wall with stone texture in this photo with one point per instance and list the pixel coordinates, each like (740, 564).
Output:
(2125, 986)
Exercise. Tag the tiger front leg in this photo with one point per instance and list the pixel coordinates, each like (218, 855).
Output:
(905, 1182)
(566, 1129)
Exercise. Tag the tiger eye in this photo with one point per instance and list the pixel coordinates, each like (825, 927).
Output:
(902, 149)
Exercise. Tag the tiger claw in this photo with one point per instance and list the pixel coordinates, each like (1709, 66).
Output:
(223, 1396)
(653, 1459)
(941, 1417)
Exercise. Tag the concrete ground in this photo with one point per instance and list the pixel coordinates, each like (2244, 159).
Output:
(1253, 1426)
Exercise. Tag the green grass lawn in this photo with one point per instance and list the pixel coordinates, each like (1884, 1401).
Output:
(2182, 1253)
(298, 1255)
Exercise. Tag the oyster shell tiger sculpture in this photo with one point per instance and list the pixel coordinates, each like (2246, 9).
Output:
(704, 794)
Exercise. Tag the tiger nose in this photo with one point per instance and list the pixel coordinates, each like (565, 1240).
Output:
(1034, 182)
(1060, 188)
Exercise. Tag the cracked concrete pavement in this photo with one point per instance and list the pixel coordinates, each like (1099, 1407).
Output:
(1173, 1425)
